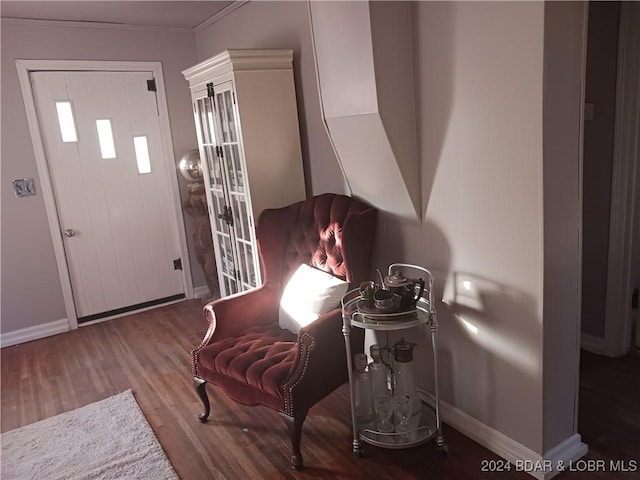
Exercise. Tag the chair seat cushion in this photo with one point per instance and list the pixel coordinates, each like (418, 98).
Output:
(262, 357)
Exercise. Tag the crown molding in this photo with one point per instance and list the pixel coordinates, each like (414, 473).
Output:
(30, 22)
(232, 7)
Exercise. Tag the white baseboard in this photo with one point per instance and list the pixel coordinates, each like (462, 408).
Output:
(592, 344)
(201, 292)
(34, 333)
(562, 456)
(521, 457)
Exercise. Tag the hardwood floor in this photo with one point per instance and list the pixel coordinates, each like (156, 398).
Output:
(149, 353)
(609, 413)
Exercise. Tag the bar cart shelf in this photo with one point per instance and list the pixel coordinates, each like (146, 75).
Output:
(424, 314)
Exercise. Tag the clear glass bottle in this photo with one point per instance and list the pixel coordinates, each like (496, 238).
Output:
(404, 385)
(363, 392)
(380, 383)
(408, 404)
(379, 372)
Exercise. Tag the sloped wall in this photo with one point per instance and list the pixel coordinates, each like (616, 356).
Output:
(366, 90)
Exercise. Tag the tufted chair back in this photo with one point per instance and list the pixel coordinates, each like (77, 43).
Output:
(322, 231)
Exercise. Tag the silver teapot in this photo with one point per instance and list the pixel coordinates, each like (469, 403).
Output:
(408, 289)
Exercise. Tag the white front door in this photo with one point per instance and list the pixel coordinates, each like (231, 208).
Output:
(101, 133)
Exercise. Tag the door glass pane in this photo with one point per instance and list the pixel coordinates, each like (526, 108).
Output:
(225, 105)
(232, 154)
(207, 120)
(224, 123)
(214, 168)
(218, 200)
(211, 120)
(230, 117)
(200, 117)
(105, 137)
(241, 218)
(230, 162)
(239, 169)
(232, 286)
(237, 220)
(242, 267)
(227, 256)
(223, 254)
(142, 154)
(66, 122)
(252, 272)
(230, 279)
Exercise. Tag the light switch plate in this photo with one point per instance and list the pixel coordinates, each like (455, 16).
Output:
(24, 187)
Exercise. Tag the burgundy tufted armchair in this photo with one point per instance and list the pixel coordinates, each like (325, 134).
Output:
(247, 354)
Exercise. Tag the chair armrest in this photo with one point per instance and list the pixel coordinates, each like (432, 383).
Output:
(233, 315)
(320, 365)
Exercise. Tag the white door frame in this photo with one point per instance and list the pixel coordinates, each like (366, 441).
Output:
(625, 196)
(25, 67)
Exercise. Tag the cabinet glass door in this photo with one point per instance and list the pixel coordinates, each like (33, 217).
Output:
(215, 184)
(243, 239)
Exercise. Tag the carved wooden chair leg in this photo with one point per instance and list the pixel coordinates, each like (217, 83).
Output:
(294, 425)
(202, 393)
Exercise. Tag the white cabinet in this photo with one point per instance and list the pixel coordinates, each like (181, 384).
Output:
(247, 125)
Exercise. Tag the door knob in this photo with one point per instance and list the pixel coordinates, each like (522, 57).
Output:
(69, 232)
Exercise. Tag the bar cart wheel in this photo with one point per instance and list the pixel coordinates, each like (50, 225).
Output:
(443, 449)
(358, 451)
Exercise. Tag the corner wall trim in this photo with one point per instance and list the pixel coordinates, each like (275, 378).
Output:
(562, 456)
(201, 292)
(34, 333)
(522, 457)
(232, 7)
(592, 344)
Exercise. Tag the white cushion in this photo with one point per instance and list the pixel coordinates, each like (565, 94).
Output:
(309, 294)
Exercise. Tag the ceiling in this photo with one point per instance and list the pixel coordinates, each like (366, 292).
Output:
(183, 14)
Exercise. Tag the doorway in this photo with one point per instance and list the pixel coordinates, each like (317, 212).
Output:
(103, 148)
(610, 178)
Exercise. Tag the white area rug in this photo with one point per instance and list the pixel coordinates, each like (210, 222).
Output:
(109, 439)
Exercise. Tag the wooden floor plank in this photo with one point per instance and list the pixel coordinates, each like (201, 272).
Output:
(149, 352)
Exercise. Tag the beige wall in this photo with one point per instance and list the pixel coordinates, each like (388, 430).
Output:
(479, 72)
(31, 291)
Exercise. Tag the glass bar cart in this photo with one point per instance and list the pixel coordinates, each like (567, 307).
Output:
(354, 315)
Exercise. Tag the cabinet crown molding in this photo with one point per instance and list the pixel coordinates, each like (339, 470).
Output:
(237, 60)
